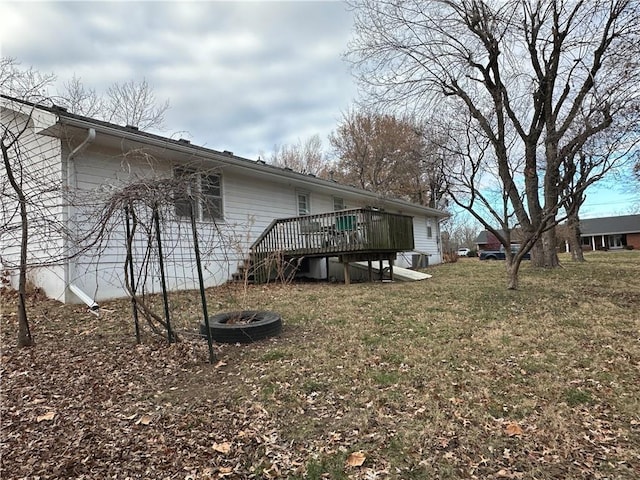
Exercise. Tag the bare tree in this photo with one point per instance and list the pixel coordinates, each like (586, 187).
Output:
(537, 79)
(614, 151)
(19, 82)
(81, 100)
(132, 103)
(462, 231)
(303, 157)
(33, 230)
(11, 133)
(31, 85)
(388, 155)
(128, 103)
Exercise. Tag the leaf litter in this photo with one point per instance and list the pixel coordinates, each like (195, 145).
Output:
(465, 394)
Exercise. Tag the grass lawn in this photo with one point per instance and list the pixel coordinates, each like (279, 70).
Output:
(454, 377)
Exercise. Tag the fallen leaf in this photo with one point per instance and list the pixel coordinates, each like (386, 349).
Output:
(356, 459)
(224, 447)
(219, 364)
(144, 420)
(224, 471)
(46, 417)
(513, 429)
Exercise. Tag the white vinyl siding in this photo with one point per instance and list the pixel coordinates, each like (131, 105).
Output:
(425, 243)
(39, 171)
(251, 202)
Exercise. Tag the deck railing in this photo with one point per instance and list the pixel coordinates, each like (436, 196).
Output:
(362, 230)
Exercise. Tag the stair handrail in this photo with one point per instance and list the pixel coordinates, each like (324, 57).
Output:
(264, 233)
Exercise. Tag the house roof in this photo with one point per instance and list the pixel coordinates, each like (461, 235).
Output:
(225, 157)
(610, 225)
(483, 236)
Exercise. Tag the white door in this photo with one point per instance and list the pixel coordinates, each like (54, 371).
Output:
(615, 241)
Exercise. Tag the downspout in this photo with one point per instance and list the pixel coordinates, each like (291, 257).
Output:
(71, 187)
(91, 135)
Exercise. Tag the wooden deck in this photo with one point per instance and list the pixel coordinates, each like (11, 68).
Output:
(353, 235)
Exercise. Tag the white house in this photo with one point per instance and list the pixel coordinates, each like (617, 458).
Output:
(72, 166)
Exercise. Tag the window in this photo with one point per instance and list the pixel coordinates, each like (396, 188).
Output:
(211, 204)
(429, 229)
(338, 204)
(204, 190)
(184, 191)
(303, 204)
(586, 241)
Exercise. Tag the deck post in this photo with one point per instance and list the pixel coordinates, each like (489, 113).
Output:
(347, 277)
(370, 270)
(391, 268)
(381, 270)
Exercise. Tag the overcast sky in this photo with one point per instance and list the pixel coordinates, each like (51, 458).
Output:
(240, 76)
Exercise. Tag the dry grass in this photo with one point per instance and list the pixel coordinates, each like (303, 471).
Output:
(454, 377)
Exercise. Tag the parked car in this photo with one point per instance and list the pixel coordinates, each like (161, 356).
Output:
(463, 252)
(500, 254)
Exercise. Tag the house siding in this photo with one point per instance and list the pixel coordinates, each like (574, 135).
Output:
(252, 198)
(42, 181)
(249, 206)
(422, 242)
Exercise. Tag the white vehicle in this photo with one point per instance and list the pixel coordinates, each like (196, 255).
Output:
(463, 252)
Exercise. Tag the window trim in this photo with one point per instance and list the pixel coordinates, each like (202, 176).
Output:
(307, 195)
(206, 199)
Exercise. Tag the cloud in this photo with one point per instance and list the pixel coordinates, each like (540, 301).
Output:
(242, 76)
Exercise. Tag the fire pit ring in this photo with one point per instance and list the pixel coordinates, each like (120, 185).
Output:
(243, 326)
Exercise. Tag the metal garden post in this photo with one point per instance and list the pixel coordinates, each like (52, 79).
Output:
(132, 285)
(156, 218)
(201, 281)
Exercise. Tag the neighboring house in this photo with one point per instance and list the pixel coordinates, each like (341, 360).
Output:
(610, 233)
(245, 208)
(488, 241)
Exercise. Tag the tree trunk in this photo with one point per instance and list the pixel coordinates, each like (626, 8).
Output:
(544, 253)
(537, 254)
(549, 246)
(575, 242)
(512, 273)
(24, 333)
